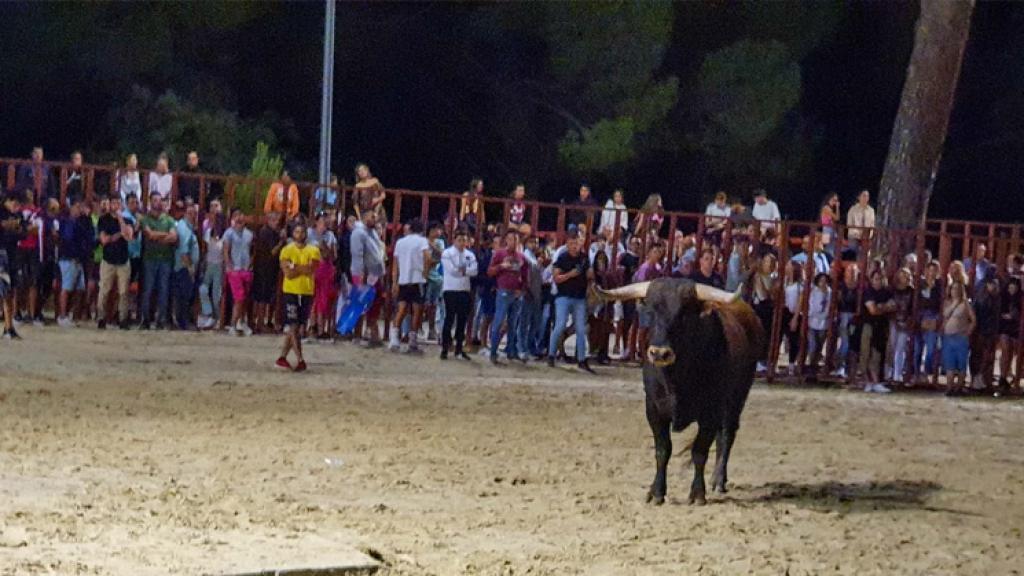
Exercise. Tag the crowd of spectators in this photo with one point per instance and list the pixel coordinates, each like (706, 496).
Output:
(471, 282)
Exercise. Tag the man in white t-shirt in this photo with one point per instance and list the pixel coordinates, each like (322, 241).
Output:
(408, 280)
(765, 210)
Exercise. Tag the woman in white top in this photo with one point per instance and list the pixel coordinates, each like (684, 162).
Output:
(615, 205)
(128, 182)
(794, 287)
(160, 179)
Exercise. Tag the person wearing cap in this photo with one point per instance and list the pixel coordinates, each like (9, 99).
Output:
(765, 210)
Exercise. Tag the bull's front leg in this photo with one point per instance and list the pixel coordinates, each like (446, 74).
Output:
(701, 446)
(660, 427)
(723, 447)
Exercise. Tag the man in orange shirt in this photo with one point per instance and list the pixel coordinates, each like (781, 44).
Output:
(283, 197)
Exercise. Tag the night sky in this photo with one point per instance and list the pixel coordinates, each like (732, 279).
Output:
(416, 98)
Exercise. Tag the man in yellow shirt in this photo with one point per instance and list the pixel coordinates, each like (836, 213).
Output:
(283, 197)
(298, 262)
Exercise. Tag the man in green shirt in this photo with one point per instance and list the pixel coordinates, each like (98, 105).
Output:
(159, 240)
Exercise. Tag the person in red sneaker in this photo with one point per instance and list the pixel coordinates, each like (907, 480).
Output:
(298, 263)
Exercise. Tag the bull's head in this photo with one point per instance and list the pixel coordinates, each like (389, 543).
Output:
(666, 299)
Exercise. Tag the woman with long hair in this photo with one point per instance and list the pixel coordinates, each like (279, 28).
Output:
(929, 315)
(651, 218)
(793, 288)
(369, 193)
(1009, 330)
(957, 325)
(600, 324)
(762, 295)
(828, 216)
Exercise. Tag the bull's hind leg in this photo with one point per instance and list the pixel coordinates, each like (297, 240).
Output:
(723, 446)
(701, 446)
(662, 452)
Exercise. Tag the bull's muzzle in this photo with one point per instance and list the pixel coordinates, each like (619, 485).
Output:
(661, 356)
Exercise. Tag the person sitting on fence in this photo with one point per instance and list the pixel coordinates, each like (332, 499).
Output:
(161, 181)
(128, 182)
(283, 197)
(716, 216)
(985, 337)
(651, 219)
(615, 210)
(325, 199)
(1009, 332)
(958, 323)
(818, 309)
(828, 216)
(582, 213)
(861, 220)
(517, 210)
(929, 314)
(765, 211)
(978, 268)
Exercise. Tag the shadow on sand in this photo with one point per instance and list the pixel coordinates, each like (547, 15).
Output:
(848, 498)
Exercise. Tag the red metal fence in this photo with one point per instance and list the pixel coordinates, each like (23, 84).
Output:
(945, 240)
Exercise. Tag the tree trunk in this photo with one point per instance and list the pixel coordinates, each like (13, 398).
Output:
(919, 132)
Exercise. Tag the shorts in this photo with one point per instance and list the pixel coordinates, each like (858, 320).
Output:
(410, 293)
(433, 292)
(488, 303)
(264, 285)
(296, 309)
(955, 348)
(72, 277)
(645, 315)
(30, 269)
(240, 282)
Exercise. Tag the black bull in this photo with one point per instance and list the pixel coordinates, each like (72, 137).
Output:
(704, 346)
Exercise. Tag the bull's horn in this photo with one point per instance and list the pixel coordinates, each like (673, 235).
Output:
(633, 291)
(707, 293)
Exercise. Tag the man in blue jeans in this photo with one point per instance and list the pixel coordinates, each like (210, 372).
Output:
(508, 268)
(572, 275)
(160, 237)
(186, 258)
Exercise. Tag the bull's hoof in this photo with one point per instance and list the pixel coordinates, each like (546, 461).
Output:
(657, 500)
(698, 499)
(718, 485)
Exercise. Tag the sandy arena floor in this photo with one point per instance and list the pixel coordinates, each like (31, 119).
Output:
(156, 453)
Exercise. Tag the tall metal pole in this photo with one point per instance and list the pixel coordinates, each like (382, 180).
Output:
(328, 93)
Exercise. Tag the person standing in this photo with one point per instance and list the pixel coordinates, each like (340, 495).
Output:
(114, 268)
(435, 280)
(75, 183)
(533, 299)
(459, 267)
(12, 230)
(583, 207)
(298, 263)
(186, 260)
(188, 180)
(408, 278)
(160, 236)
(133, 217)
(269, 241)
(211, 289)
(238, 261)
(572, 275)
(324, 279)
(958, 323)
(36, 177)
(76, 245)
(283, 197)
(508, 268)
(367, 269)
(517, 211)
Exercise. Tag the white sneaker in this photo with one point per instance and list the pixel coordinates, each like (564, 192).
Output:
(869, 387)
(232, 331)
(485, 352)
(761, 367)
(839, 373)
(65, 322)
(880, 389)
(246, 330)
(38, 323)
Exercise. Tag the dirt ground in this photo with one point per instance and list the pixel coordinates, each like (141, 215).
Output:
(150, 453)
